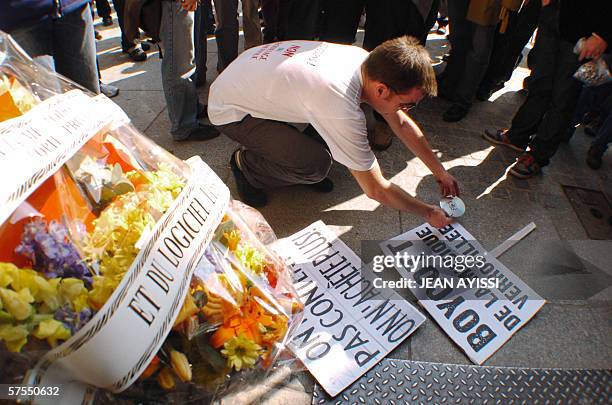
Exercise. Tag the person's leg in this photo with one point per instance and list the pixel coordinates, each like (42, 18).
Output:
(276, 154)
(476, 63)
(303, 20)
(251, 24)
(35, 39)
(269, 10)
(542, 60)
(74, 48)
(201, 47)
(341, 20)
(525, 24)
(176, 33)
(559, 113)
(226, 32)
(104, 9)
(119, 8)
(460, 34)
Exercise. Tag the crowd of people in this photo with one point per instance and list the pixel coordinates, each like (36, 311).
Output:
(320, 78)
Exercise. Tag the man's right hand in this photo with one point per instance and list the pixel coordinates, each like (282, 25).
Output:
(437, 217)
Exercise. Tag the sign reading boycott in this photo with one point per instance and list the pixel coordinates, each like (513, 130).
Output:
(348, 324)
(479, 320)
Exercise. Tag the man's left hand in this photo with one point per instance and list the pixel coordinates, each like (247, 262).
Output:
(592, 48)
(448, 185)
(189, 5)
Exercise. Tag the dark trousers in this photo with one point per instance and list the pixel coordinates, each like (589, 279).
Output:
(508, 47)
(471, 46)
(200, 30)
(103, 8)
(387, 19)
(553, 92)
(298, 19)
(340, 20)
(269, 11)
(276, 154)
(119, 8)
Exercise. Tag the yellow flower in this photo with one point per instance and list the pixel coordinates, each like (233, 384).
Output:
(180, 365)
(15, 337)
(52, 330)
(17, 304)
(165, 379)
(232, 239)
(241, 352)
(73, 290)
(7, 274)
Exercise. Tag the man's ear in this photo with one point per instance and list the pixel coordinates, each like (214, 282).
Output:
(382, 90)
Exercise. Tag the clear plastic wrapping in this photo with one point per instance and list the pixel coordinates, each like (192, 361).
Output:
(71, 244)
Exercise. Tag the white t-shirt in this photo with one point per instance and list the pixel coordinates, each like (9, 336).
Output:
(299, 82)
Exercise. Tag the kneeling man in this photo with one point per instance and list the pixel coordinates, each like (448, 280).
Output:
(254, 100)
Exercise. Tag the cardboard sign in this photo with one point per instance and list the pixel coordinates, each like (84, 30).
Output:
(348, 325)
(479, 320)
(118, 343)
(37, 144)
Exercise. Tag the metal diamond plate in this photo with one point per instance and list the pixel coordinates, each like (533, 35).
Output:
(414, 382)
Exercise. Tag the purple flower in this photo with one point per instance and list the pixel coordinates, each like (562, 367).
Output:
(72, 320)
(51, 252)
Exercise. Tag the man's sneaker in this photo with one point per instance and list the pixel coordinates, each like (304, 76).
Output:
(594, 156)
(500, 137)
(324, 186)
(107, 21)
(455, 113)
(200, 133)
(525, 167)
(137, 54)
(108, 90)
(255, 197)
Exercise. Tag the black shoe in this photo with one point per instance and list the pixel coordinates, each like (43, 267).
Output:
(455, 113)
(108, 90)
(594, 155)
(107, 21)
(137, 55)
(500, 137)
(324, 186)
(97, 35)
(255, 197)
(201, 133)
(145, 46)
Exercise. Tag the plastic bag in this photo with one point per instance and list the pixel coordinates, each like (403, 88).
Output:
(594, 73)
(121, 265)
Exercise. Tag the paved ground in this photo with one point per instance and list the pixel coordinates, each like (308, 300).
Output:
(573, 330)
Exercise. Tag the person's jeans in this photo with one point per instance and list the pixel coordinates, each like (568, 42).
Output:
(553, 92)
(176, 33)
(70, 41)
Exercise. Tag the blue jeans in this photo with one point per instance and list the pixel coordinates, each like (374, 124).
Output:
(176, 33)
(70, 41)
